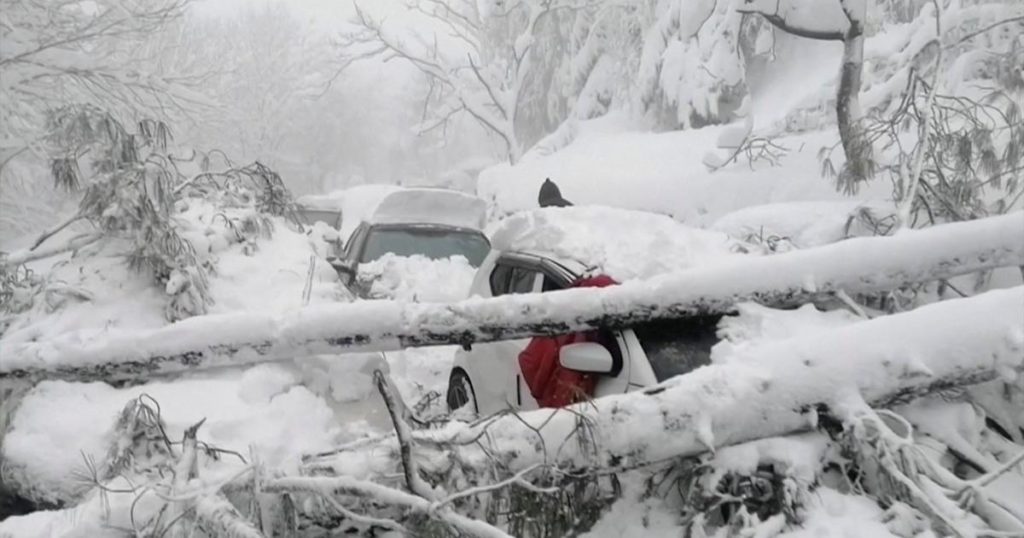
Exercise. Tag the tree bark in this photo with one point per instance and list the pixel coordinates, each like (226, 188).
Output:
(848, 113)
(860, 265)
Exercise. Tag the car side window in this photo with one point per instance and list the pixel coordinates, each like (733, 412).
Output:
(353, 240)
(522, 280)
(499, 279)
(550, 284)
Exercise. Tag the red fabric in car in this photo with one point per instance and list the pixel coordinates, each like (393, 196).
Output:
(551, 384)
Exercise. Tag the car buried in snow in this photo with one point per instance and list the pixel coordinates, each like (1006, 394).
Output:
(323, 210)
(428, 222)
(552, 249)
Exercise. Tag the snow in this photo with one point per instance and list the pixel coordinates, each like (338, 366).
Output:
(626, 245)
(798, 456)
(856, 265)
(802, 224)
(269, 275)
(761, 392)
(431, 206)
(754, 324)
(417, 278)
(831, 514)
(633, 511)
(358, 203)
(330, 201)
(612, 164)
(58, 423)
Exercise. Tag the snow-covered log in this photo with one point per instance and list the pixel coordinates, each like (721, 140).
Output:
(853, 266)
(773, 389)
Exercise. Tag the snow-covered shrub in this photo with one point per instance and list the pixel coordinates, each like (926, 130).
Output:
(127, 186)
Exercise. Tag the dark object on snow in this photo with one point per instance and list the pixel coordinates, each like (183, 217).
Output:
(550, 196)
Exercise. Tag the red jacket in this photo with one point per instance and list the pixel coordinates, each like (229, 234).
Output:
(551, 384)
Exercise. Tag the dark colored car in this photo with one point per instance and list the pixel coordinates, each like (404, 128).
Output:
(433, 223)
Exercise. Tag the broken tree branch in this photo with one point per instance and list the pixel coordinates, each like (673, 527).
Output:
(19, 257)
(776, 388)
(860, 265)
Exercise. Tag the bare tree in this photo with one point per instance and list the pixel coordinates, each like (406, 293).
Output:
(79, 52)
(470, 67)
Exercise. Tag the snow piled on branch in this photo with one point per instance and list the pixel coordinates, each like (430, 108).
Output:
(857, 265)
(802, 224)
(59, 424)
(775, 388)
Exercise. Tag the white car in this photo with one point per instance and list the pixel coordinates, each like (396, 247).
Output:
(549, 250)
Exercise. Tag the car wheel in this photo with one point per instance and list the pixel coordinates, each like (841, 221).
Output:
(460, 391)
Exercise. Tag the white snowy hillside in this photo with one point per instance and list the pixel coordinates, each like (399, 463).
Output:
(242, 295)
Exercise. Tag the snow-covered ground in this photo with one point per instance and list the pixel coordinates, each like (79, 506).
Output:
(619, 173)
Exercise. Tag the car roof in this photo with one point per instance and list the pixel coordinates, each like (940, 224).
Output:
(573, 266)
(623, 244)
(431, 206)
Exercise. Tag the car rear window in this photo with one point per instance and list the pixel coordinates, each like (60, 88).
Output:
(679, 346)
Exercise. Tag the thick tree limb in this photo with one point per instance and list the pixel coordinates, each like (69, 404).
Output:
(770, 390)
(858, 265)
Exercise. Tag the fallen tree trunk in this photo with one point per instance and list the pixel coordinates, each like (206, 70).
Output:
(854, 266)
(770, 390)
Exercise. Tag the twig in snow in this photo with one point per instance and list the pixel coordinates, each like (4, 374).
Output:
(517, 479)
(322, 485)
(53, 231)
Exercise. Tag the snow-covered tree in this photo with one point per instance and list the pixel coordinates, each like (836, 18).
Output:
(88, 52)
(95, 53)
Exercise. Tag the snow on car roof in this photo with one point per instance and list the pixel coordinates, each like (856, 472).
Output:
(431, 206)
(326, 202)
(621, 243)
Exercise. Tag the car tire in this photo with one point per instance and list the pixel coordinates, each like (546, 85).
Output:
(460, 391)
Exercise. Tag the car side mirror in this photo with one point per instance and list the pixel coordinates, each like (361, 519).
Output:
(586, 357)
(345, 268)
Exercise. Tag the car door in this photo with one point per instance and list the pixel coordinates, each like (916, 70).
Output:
(497, 363)
(555, 277)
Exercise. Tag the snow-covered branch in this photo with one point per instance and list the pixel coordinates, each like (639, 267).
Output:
(859, 265)
(768, 390)
(24, 256)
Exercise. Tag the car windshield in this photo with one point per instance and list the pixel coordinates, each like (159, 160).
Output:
(675, 347)
(311, 216)
(434, 243)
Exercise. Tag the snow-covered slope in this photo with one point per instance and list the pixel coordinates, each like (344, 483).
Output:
(615, 165)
